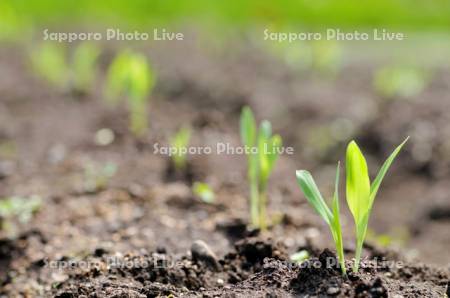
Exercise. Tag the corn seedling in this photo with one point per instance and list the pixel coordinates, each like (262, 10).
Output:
(50, 62)
(131, 76)
(204, 192)
(96, 177)
(300, 257)
(403, 82)
(17, 210)
(260, 162)
(180, 141)
(361, 192)
(83, 66)
(331, 217)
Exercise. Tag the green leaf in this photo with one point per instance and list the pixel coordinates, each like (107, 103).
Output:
(312, 194)
(336, 223)
(382, 172)
(116, 79)
(84, 66)
(268, 151)
(265, 129)
(300, 256)
(248, 127)
(180, 141)
(358, 183)
(49, 61)
(141, 78)
(335, 202)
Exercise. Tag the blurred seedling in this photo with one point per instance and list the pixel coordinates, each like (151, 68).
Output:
(49, 62)
(130, 77)
(361, 192)
(78, 73)
(180, 142)
(319, 57)
(204, 192)
(400, 81)
(397, 237)
(331, 217)
(96, 178)
(16, 211)
(262, 148)
(84, 67)
(300, 256)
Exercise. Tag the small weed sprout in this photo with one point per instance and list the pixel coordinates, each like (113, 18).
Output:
(331, 217)
(180, 141)
(361, 192)
(17, 210)
(131, 76)
(204, 192)
(260, 163)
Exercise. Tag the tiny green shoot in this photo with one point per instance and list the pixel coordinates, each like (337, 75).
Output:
(180, 141)
(96, 177)
(400, 81)
(300, 256)
(131, 76)
(204, 192)
(17, 210)
(49, 62)
(361, 192)
(331, 217)
(83, 66)
(260, 163)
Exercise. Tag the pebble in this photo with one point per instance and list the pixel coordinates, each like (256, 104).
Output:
(333, 291)
(202, 253)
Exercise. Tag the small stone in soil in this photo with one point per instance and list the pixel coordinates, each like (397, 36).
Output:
(333, 291)
(202, 253)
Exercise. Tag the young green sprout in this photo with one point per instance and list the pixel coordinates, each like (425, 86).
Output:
(49, 62)
(96, 177)
(15, 211)
(131, 76)
(260, 162)
(180, 141)
(83, 66)
(361, 193)
(331, 217)
(400, 81)
(299, 257)
(204, 192)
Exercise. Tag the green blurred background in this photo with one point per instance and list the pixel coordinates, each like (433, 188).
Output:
(19, 15)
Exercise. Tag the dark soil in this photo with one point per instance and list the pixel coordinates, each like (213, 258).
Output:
(255, 267)
(147, 215)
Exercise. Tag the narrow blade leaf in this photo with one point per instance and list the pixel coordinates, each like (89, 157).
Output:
(358, 183)
(382, 172)
(312, 194)
(247, 127)
(335, 204)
